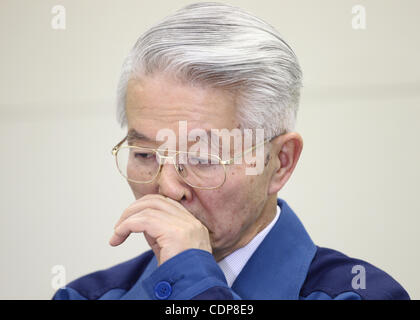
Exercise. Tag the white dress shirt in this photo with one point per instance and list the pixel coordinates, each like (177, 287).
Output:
(233, 264)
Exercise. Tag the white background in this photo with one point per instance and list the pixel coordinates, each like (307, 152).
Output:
(355, 187)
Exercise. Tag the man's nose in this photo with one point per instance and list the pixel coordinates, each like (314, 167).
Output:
(171, 184)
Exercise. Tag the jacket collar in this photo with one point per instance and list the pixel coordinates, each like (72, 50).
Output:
(279, 266)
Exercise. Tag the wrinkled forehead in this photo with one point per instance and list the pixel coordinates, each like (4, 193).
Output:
(158, 104)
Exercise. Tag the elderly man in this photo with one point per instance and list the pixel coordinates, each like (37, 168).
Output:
(216, 230)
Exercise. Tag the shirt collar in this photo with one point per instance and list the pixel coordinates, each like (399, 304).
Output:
(232, 264)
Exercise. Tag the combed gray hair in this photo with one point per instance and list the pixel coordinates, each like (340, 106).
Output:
(221, 46)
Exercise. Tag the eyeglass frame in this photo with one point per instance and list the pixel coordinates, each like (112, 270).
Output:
(224, 163)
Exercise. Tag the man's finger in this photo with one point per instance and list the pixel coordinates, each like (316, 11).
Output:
(133, 224)
(154, 222)
(172, 207)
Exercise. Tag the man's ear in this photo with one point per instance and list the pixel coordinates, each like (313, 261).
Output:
(286, 150)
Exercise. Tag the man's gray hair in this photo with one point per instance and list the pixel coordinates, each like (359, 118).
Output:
(219, 46)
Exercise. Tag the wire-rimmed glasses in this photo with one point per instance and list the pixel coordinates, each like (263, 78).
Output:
(199, 170)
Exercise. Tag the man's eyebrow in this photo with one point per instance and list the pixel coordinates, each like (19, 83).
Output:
(134, 135)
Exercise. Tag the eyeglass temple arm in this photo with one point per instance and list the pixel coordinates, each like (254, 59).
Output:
(247, 151)
(114, 150)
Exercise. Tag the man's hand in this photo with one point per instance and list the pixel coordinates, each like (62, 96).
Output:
(167, 226)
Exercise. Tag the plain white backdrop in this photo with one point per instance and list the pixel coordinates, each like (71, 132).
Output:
(355, 187)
